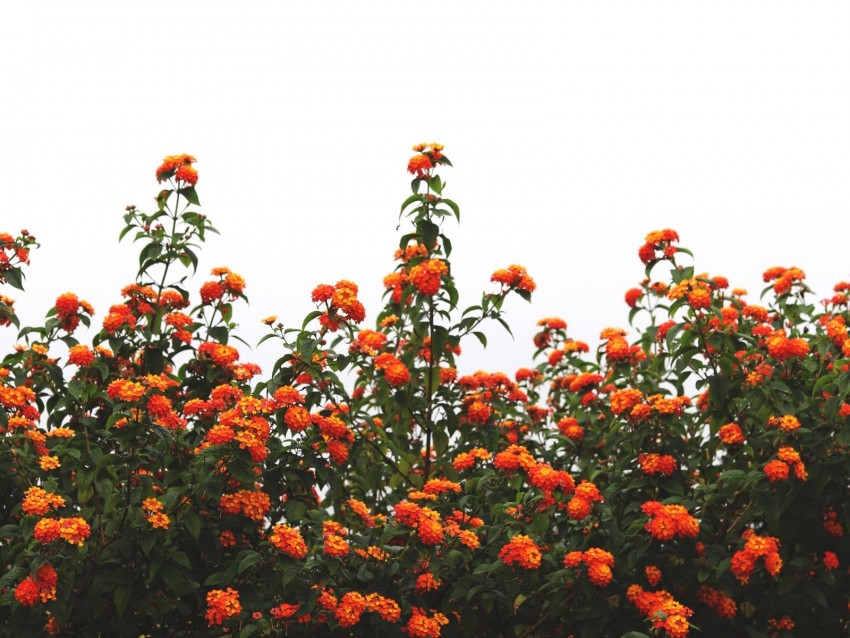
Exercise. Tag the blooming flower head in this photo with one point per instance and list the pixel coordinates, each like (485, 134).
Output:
(514, 278)
(522, 551)
(221, 605)
(171, 166)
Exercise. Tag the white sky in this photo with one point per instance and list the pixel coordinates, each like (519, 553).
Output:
(575, 128)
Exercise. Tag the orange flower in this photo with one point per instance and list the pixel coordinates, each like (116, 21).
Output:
(421, 625)
(39, 501)
(80, 355)
(42, 588)
(426, 276)
(288, 540)
(662, 609)
(667, 521)
(221, 605)
(652, 464)
(522, 551)
(514, 278)
(731, 434)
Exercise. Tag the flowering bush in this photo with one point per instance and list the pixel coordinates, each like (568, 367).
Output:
(695, 475)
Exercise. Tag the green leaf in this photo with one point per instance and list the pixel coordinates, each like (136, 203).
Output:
(121, 597)
(190, 195)
(193, 523)
(250, 559)
(15, 278)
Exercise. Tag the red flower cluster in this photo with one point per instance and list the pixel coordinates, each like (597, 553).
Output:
(42, 588)
(659, 240)
(69, 309)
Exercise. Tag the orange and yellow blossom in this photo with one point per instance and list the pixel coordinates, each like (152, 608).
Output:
(221, 605)
(523, 551)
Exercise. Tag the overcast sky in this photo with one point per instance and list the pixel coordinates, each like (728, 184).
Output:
(574, 128)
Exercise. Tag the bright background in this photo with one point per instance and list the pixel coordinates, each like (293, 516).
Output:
(575, 128)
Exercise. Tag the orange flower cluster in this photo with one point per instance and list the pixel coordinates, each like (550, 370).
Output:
(744, 561)
(40, 589)
(178, 166)
(335, 544)
(441, 486)
(242, 419)
(360, 508)
(427, 275)
(254, 504)
(513, 278)
(514, 458)
(782, 348)
(630, 401)
(74, 530)
(353, 604)
(581, 504)
(341, 304)
(658, 240)
(618, 349)
(667, 521)
(427, 156)
(466, 460)
(570, 428)
(696, 291)
(154, 514)
(288, 540)
(787, 423)
(221, 605)
(722, 604)
(38, 501)
(421, 625)
(780, 624)
(220, 354)
(80, 355)
(784, 278)
(69, 309)
(395, 372)
(661, 609)
(522, 551)
(787, 458)
(125, 390)
(425, 521)
(652, 464)
(227, 288)
(599, 564)
(731, 434)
